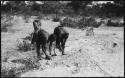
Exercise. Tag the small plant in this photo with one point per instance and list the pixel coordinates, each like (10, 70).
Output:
(23, 45)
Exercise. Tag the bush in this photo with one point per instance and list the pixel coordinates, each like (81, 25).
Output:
(69, 23)
(56, 19)
(96, 24)
(23, 45)
(17, 66)
(80, 23)
(115, 24)
(9, 69)
(6, 21)
(92, 22)
(8, 73)
(28, 62)
(121, 24)
(31, 63)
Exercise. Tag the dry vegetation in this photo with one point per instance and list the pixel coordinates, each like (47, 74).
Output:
(101, 54)
(6, 21)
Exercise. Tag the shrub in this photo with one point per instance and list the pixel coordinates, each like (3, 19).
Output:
(8, 73)
(80, 23)
(89, 31)
(92, 22)
(17, 66)
(6, 21)
(115, 24)
(98, 24)
(9, 69)
(69, 23)
(121, 24)
(31, 63)
(56, 19)
(23, 45)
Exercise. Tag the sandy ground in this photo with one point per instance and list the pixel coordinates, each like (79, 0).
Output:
(86, 56)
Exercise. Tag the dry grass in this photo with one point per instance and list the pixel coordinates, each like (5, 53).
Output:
(30, 63)
(8, 73)
(9, 69)
(23, 45)
(17, 66)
